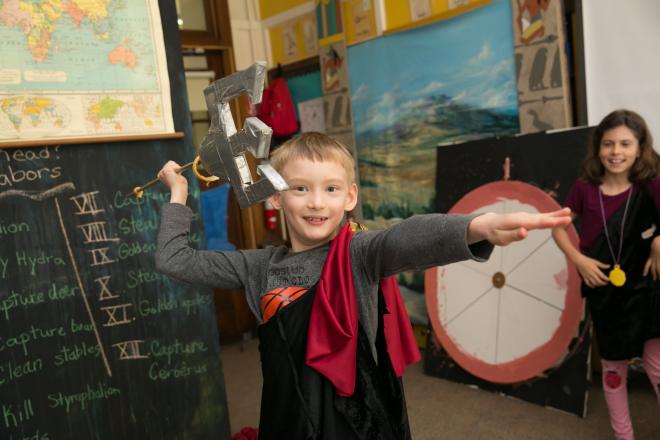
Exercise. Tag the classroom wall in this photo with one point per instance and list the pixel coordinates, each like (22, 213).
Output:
(621, 62)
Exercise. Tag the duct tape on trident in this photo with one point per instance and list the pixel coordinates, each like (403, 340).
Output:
(222, 153)
(223, 149)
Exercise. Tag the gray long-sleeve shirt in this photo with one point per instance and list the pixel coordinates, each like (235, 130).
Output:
(417, 243)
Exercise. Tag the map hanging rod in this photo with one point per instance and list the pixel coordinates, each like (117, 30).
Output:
(89, 140)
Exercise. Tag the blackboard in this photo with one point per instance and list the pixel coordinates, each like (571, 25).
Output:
(94, 343)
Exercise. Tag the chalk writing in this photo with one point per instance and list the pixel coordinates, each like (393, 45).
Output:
(67, 401)
(176, 348)
(40, 259)
(38, 196)
(76, 352)
(95, 232)
(25, 338)
(130, 350)
(129, 250)
(178, 371)
(14, 228)
(12, 415)
(31, 298)
(14, 370)
(38, 435)
(86, 203)
(113, 311)
(131, 225)
(104, 289)
(138, 277)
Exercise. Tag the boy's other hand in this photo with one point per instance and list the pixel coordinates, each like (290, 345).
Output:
(177, 184)
(503, 229)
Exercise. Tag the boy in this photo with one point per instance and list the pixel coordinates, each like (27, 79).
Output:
(332, 346)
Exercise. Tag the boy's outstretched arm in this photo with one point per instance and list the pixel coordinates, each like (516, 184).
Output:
(503, 229)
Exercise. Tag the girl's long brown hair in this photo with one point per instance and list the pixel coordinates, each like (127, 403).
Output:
(647, 165)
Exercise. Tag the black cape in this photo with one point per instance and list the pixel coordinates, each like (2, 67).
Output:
(626, 317)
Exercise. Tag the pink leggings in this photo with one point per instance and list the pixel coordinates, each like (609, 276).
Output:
(615, 374)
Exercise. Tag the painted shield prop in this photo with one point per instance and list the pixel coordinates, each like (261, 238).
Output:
(513, 317)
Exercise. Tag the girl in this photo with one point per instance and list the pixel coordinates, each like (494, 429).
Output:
(618, 201)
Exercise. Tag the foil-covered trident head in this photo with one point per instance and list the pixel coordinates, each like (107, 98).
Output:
(223, 149)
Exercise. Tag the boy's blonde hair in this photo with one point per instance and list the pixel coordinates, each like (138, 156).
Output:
(317, 147)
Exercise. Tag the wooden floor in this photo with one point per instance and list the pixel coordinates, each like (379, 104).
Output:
(443, 410)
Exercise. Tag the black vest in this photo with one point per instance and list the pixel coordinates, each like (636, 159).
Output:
(299, 403)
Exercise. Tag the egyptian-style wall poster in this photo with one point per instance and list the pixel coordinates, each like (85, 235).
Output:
(334, 68)
(541, 65)
(413, 90)
(337, 100)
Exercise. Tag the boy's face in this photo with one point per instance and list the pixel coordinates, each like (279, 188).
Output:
(319, 194)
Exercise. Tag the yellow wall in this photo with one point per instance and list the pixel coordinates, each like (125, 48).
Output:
(397, 12)
(268, 8)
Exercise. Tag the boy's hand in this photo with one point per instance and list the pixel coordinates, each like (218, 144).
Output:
(177, 184)
(653, 263)
(502, 229)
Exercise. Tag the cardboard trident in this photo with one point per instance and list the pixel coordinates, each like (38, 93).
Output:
(223, 149)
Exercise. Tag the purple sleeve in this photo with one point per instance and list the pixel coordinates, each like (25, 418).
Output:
(653, 188)
(575, 197)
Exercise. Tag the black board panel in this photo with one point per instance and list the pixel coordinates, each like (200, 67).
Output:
(94, 344)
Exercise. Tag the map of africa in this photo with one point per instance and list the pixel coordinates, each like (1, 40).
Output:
(75, 68)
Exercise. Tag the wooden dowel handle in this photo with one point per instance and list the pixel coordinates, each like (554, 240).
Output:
(138, 191)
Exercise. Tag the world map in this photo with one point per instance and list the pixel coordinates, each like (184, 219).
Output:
(82, 67)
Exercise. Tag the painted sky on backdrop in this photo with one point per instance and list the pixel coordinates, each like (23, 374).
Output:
(392, 73)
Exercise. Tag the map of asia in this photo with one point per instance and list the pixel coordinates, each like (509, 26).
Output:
(81, 68)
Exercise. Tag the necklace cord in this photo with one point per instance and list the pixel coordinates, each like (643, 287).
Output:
(623, 222)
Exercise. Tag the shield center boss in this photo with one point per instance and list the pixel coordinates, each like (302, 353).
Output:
(223, 149)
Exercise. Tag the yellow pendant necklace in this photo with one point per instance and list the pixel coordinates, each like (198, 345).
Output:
(617, 275)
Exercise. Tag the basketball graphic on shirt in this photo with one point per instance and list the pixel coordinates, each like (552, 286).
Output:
(513, 317)
(276, 299)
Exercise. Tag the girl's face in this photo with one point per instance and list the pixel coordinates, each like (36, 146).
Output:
(618, 151)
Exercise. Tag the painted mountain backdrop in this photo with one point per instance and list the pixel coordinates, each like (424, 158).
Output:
(414, 90)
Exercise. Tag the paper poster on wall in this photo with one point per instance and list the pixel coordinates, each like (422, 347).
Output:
(419, 9)
(293, 39)
(290, 41)
(452, 4)
(72, 72)
(312, 115)
(309, 34)
(337, 109)
(541, 66)
(413, 90)
(334, 70)
(362, 24)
